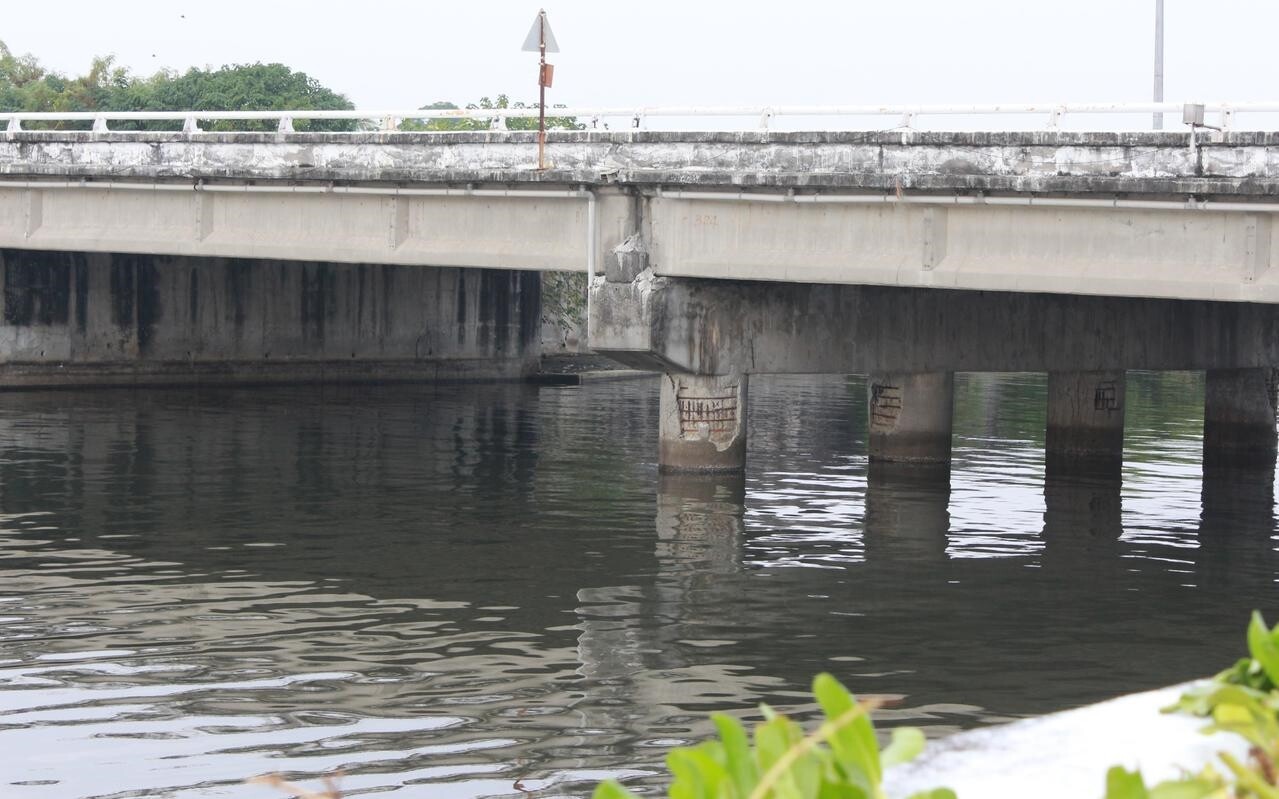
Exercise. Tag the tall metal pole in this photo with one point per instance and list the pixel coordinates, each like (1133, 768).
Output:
(541, 88)
(1159, 61)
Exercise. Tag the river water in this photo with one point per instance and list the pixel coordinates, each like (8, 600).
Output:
(470, 591)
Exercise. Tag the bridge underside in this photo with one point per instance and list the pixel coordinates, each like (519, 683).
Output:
(108, 318)
(709, 336)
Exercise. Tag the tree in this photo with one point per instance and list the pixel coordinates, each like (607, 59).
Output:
(27, 86)
(485, 103)
(242, 87)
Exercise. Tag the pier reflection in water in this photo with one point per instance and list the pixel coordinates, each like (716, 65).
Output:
(452, 589)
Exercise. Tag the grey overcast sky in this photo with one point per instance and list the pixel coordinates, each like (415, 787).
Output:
(397, 53)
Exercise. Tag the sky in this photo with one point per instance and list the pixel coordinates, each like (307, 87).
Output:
(399, 54)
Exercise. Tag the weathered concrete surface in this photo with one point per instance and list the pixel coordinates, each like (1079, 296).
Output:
(910, 417)
(726, 327)
(1086, 416)
(1239, 416)
(1044, 161)
(1066, 755)
(702, 423)
(75, 318)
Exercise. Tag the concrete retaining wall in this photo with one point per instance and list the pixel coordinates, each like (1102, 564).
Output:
(99, 318)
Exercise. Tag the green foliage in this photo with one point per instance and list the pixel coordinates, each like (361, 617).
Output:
(564, 298)
(485, 103)
(1124, 784)
(839, 760)
(27, 86)
(244, 87)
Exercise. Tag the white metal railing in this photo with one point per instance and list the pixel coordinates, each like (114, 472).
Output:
(636, 117)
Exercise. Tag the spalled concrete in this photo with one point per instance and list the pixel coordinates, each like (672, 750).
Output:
(703, 423)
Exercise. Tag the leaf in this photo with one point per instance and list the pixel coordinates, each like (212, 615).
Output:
(612, 789)
(854, 744)
(772, 739)
(1263, 647)
(737, 753)
(1124, 784)
(1231, 714)
(906, 744)
(1194, 788)
(935, 793)
(699, 771)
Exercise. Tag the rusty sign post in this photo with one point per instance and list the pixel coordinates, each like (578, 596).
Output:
(542, 41)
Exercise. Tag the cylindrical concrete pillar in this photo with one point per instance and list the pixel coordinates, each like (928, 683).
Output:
(910, 416)
(1239, 417)
(1085, 417)
(703, 423)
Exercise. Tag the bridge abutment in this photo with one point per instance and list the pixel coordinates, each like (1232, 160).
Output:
(911, 416)
(1239, 417)
(1085, 419)
(703, 423)
(88, 319)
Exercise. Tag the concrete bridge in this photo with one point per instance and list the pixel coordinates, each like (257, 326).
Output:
(713, 256)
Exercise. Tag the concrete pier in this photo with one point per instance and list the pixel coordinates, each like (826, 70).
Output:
(703, 423)
(910, 416)
(1085, 418)
(1239, 417)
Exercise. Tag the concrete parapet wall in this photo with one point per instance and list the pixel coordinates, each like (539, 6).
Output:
(102, 318)
(1145, 163)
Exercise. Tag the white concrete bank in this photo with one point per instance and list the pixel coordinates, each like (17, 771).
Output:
(1066, 755)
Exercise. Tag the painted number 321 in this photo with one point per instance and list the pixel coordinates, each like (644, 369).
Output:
(705, 219)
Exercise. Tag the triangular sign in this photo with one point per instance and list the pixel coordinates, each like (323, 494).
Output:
(540, 24)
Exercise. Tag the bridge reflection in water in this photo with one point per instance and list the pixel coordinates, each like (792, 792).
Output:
(461, 586)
